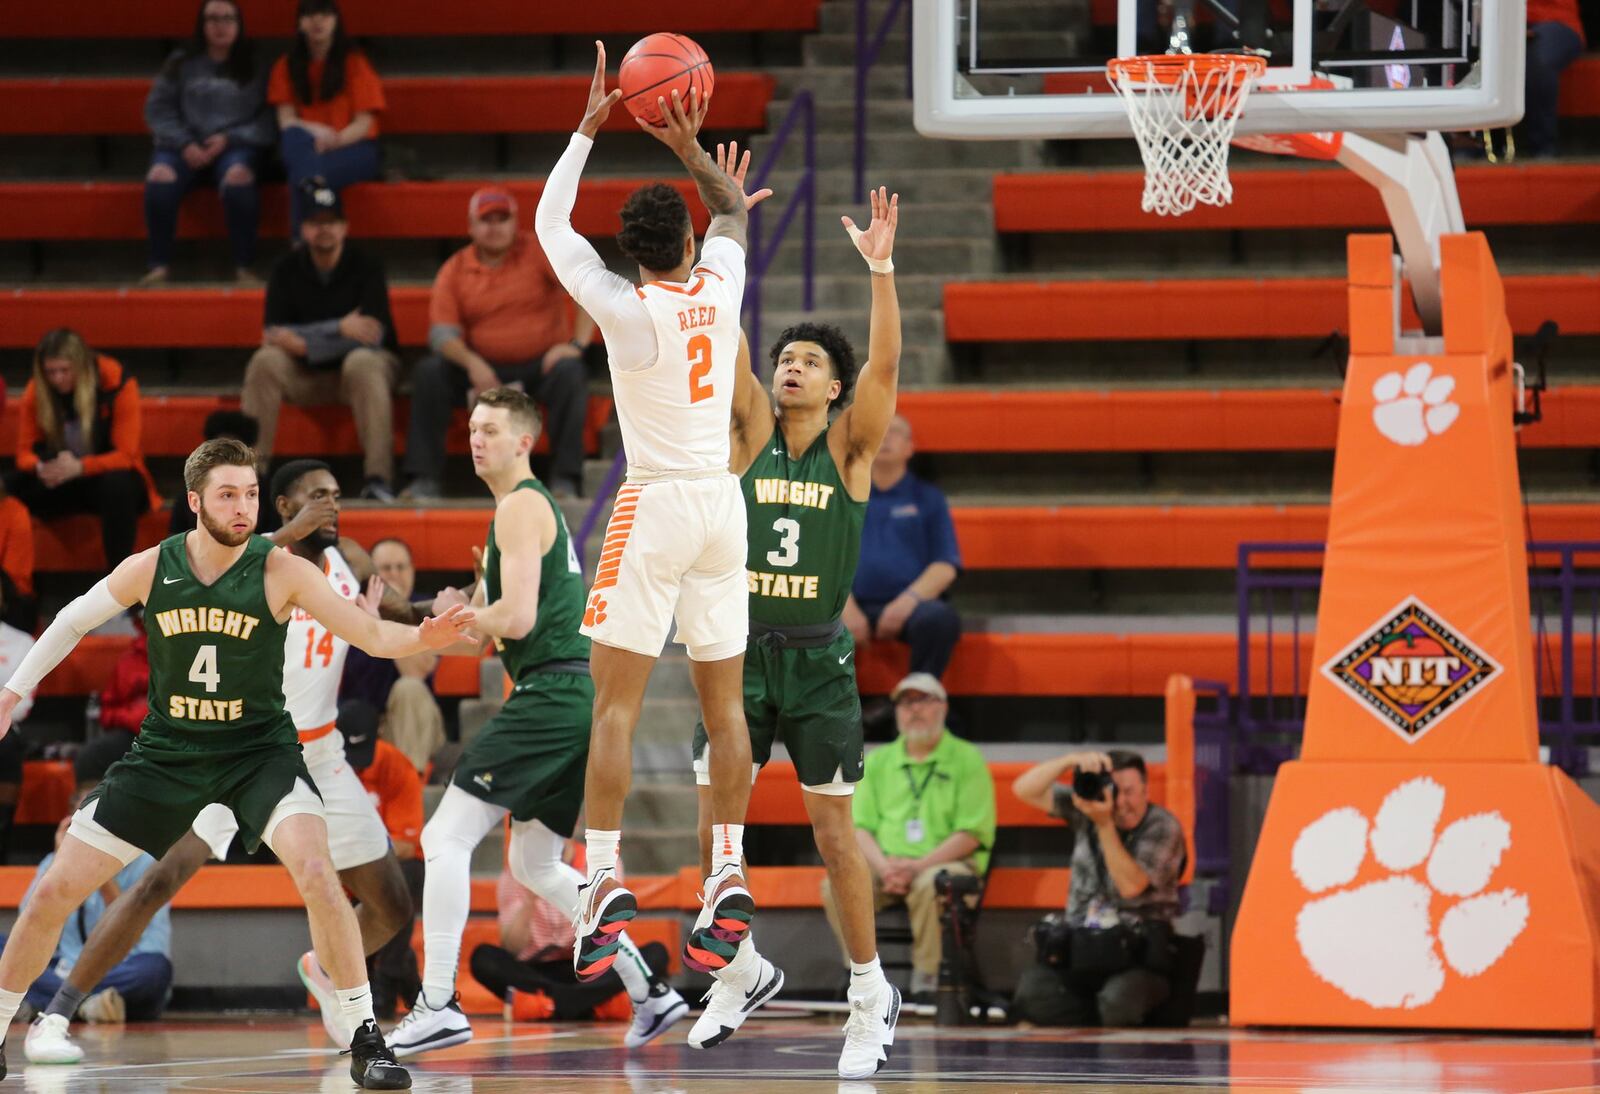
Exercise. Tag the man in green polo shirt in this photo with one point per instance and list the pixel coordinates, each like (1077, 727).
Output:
(925, 804)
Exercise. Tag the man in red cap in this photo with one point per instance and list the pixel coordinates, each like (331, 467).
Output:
(499, 316)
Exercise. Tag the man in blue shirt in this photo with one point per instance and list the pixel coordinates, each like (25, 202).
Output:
(909, 559)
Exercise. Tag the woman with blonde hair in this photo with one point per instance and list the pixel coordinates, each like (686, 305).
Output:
(78, 446)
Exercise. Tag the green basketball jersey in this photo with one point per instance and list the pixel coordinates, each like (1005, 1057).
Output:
(555, 634)
(216, 652)
(805, 534)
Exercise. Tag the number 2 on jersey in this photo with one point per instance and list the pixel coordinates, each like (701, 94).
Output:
(700, 388)
(323, 649)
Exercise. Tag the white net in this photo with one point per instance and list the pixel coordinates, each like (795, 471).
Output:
(1184, 108)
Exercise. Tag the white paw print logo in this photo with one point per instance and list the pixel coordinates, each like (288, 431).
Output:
(1414, 407)
(1376, 942)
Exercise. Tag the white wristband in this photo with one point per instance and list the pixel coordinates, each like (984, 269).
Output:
(876, 265)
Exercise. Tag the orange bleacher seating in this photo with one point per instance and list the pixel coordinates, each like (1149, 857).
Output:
(1243, 307)
(1042, 537)
(52, 106)
(46, 794)
(380, 18)
(386, 210)
(1294, 198)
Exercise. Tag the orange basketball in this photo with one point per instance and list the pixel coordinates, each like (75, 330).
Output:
(655, 66)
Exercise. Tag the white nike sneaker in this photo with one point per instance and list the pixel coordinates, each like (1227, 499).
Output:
(727, 1005)
(426, 1029)
(869, 1033)
(605, 908)
(655, 1016)
(48, 1043)
(321, 989)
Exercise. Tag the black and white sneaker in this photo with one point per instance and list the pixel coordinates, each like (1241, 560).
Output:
(728, 1004)
(869, 1034)
(426, 1028)
(372, 1065)
(655, 1015)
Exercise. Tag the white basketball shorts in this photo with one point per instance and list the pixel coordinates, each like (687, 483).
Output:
(674, 549)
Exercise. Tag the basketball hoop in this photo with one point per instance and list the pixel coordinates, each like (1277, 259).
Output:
(1183, 108)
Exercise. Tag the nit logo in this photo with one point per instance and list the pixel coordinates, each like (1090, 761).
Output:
(1411, 669)
(595, 614)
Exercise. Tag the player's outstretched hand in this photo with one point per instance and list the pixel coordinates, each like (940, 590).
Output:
(369, 600)
(876, 244)
(446, 628)
(600, 100)
(683, 120)
(729, 163)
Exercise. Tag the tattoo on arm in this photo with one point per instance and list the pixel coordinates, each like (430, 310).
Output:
(717, 188)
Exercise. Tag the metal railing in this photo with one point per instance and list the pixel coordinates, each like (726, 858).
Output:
(763, 249)
(869, 43)
(1277, 601)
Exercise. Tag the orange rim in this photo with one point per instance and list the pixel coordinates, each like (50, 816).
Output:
(1166, 69)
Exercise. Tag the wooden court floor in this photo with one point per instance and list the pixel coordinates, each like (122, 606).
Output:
(798, 1055)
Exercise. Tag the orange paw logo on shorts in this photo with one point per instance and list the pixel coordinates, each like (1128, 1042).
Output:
(595, 614)
(1411, 669)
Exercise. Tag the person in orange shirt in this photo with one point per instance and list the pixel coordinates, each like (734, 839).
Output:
(499, 316)
(328, 100)
(78, 447)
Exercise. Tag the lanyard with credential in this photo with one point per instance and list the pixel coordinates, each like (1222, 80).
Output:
(914, 829)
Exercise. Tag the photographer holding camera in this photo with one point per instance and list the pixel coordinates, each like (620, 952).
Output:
(1110, 957)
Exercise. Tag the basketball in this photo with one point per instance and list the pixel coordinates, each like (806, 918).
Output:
(657, 65)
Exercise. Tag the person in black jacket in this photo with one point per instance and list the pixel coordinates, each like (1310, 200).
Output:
(328, 338)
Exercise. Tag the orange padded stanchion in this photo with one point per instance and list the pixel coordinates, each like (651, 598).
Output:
(1419, 867)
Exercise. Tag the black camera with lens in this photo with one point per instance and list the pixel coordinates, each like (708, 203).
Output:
(1091, 785)
(948, 884)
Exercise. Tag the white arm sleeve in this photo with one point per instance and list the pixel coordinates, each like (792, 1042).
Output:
(612, 301)
(74, 621)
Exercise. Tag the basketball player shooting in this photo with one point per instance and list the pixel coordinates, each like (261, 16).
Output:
(675, 546)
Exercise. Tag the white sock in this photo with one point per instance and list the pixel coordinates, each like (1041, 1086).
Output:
(865, 978)
(9, 1002)
(727, 846)
(356, 1005)
(601, 847)
(633, 970)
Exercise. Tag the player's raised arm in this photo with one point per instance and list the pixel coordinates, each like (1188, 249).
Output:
(868, 417)
(572, 257)
(306, 587)
(127, 585)
(517, 522)
(729, 214)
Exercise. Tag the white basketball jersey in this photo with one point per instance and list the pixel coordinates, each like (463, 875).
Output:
(313, 656)
(674, 414)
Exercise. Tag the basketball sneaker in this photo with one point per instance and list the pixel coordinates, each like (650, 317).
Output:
(723, 923)
(729, 1003)
(427, 1028)
(320, 986)
(869, 1032)
(597, 932)
(372, 1065)
(655, 1015)
(48, 1042)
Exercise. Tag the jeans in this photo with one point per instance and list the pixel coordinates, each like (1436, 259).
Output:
(339, 167)
(1551, 48)
(116, 497)
(241, 202)
(439, 386)
(932, 631)
(144, 981)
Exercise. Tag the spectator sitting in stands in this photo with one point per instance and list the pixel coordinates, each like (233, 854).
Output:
(498, 315)
(208, 114)
(136, 989)
(219, 423)
(329, 337)
(909, 558)
(395, 789)
(78, 448)
(124, 700)
(534, 959)
(1555, 39)
(1127, 857)
(18, 607)
(401, 689)
(925, 804)
(328, 100)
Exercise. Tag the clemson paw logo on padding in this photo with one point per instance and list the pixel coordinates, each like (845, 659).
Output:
(1379, 943)
(1414, 406)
